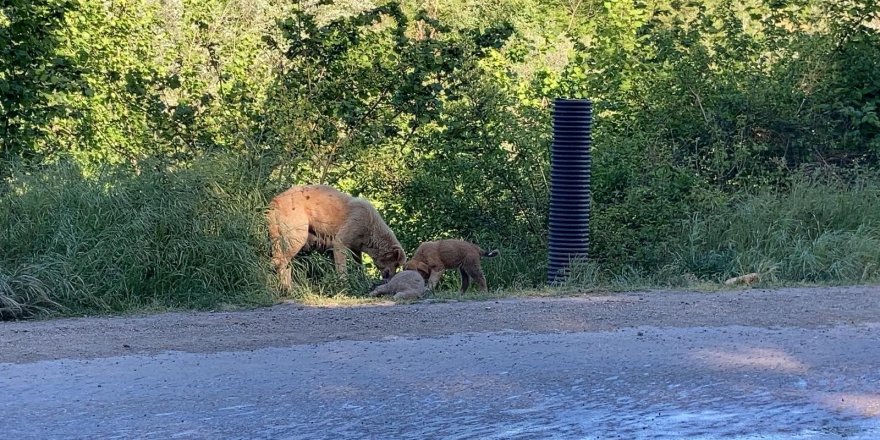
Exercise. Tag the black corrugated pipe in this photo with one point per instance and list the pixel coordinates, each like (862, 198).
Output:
(569, 185)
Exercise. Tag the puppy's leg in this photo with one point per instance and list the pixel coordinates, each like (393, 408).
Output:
(381, 290)
(465, 280)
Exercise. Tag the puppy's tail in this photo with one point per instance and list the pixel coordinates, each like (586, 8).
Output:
(490, 254)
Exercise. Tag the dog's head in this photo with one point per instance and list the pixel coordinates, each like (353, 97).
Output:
(419, 267)
(389, 262)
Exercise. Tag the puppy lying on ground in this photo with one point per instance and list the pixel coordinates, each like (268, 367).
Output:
(432, 258)
(407, 284)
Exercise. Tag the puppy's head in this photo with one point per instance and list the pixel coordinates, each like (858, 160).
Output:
(389, 262)
(419, 267)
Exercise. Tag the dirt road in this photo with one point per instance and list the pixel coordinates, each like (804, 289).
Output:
(753, 364)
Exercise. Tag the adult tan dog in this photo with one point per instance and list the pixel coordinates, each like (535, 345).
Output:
(322, 217)
(432, 258)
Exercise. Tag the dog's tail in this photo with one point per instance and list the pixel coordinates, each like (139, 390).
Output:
(489, 254)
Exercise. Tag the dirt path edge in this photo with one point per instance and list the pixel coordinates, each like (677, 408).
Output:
(291, 324)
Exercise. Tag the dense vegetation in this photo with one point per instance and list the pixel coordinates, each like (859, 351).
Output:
(141, 139)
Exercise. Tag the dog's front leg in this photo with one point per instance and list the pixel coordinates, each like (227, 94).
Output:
(434, 278)
(381, 290)
(339, 259)
(284, 274)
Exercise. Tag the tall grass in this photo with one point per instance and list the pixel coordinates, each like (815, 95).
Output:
(314, 278)
(196, 239)
(119, 241)
(822, 228)
(819, 230)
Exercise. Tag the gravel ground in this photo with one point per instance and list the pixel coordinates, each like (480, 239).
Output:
(787, 364)
(291, 324)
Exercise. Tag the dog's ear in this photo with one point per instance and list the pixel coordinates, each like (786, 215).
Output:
(415, 265)
(424, 273)
(396, 256)
(419, 267)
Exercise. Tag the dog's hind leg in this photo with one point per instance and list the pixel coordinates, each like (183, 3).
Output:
(283, 252)
(286, 243)
(476, 274)
(465, 280)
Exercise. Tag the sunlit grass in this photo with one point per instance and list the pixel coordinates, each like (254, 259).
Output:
(195, 239)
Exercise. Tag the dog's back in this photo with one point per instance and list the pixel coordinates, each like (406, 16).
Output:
(322, 208)
(450, 253)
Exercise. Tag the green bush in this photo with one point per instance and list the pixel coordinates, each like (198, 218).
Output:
(640, 199)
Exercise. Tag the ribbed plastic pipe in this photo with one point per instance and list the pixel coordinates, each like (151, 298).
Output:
(569, 185)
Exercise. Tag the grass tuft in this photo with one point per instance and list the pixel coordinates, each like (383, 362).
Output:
(24, 295)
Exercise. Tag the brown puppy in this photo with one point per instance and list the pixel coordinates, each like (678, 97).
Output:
(407, 284)
(321, 217)
(432, 258)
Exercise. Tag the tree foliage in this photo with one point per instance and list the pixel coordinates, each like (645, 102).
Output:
(34, 72)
